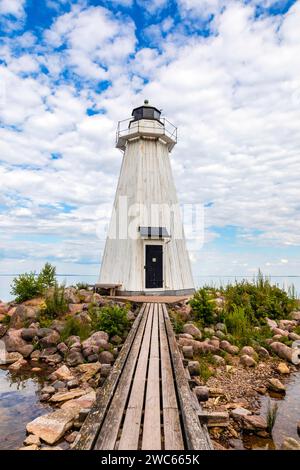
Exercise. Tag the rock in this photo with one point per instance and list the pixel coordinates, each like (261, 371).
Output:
(10, 358)
(54, 359)
(209, 331)
(282, 368)
(220, 334)
(48, 389)
(202, 393)
(249, 351)
(290, 444)
(192, 330)
(239, 413)
(63, 373)
(96, 338)
(106, 357)
(80, 404)
(3, 330)
(71, 437)
(72, 295)
(32, 440)
(88, 370)
(116, 340)
(72, 340)
(45, 353)
(14, 343)
(32, 447)
(226, 346)
(73, 383)
(295, 316)
(187, 352)
(216, 392)
(75, 308)
(280, 332)
(214, 342)
(92, 358)
(262, 352)
(294, 336)
(185, 335)
(58, 325)
(18, 365)
(254, 423)
(194, 367)
(218, 360)
(275, 385)
(248, 361)
(36, 369)
(221, 327)
(271, 323)
(59, 385)
(105, 370)
(22, 315)
(51, 427)
(50, 340)
(65, 396)
(285, 352)
(74, 358)
(41, 332)
(28, 333)
(288, 325)
(35, 355)
(62, 348)
(4, 308)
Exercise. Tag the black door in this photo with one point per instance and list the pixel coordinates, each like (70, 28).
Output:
(154, 266)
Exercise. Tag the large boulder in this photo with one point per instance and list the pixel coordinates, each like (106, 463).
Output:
(85, 402)
(201, 392)
(249, 351)
(75, 308)
(71, 295)
(10, 358)
(106, 357)
(65, 396)
(254, 423)
(88, 370)
(275, 385)
(18, 365)
(191, 329)
(279, 332)
(15, 343)
(51, 427)
(22, 315)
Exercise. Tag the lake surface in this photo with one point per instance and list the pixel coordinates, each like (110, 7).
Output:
(19, 404)
(70, 279)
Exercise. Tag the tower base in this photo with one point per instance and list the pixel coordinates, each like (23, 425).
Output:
(177, 293)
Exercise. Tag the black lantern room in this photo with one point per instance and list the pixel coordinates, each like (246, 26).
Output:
(146, 112)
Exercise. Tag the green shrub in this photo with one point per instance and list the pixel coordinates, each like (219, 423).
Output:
(82, 285)
(176, 321)
(25, 287)
(259, 299)
(112, 319)
(29, 285)
(203, 306)
(46, 278)
(55, 302)
(74, 327)
(238, 324)
(205, 366)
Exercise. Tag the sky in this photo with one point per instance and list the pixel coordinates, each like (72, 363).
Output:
(227, 73)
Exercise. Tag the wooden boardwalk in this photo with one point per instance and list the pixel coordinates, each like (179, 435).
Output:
(146, 403)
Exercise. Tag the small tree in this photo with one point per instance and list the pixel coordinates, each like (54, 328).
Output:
(25, 287)
(56, 304)
(46, 278)
(203, 306)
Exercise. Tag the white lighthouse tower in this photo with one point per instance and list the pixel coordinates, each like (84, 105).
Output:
(145, 250)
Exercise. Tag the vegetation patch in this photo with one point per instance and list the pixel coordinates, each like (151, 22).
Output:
(75, 327)
(30, 285)
(111, 318)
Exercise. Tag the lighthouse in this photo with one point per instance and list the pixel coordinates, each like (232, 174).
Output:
(145, 251)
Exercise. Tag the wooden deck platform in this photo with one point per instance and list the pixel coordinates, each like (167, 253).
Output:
(163, 299)
(146, 402)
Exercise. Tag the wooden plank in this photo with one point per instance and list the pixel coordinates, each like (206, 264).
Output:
(152, 428)
(110, 428)
(90, 429)
(132, 423)
(196, 436)
(172, 430)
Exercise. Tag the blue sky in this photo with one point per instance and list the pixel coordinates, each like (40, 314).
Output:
(225, 72)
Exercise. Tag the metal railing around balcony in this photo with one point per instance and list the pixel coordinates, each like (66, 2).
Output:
(168, 129)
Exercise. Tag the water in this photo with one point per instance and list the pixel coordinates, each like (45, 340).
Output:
(19, 404)
(285, 282)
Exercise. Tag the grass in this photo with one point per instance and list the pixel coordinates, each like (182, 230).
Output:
(75, 327)
(205, 366)
(177, 321)
(271, 415)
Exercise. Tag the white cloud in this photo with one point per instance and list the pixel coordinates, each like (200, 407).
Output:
(12, 7)
(235, 97)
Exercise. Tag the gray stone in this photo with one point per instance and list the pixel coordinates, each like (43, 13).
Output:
(226, 346)
(59, 385)
(53, 359)
(262, 352)
(74, 358)
(239, 413)
(32, 440)
(10, 358)
(248, 350)
(248, 361)
(194, 367)
(221, 327)
(50, 340)
(28, 333)
(192, 330)
(219, 360)
(275, 385)
(22, 315)
(48, 389)
(62, 348)
(15, 343)
(51, 427)
(202, 393)
(254, 423)
(188, 352)
(41, 332)
(106, 357)
(105, 370)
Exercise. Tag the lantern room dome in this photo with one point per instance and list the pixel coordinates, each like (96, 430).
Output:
(146, 112)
